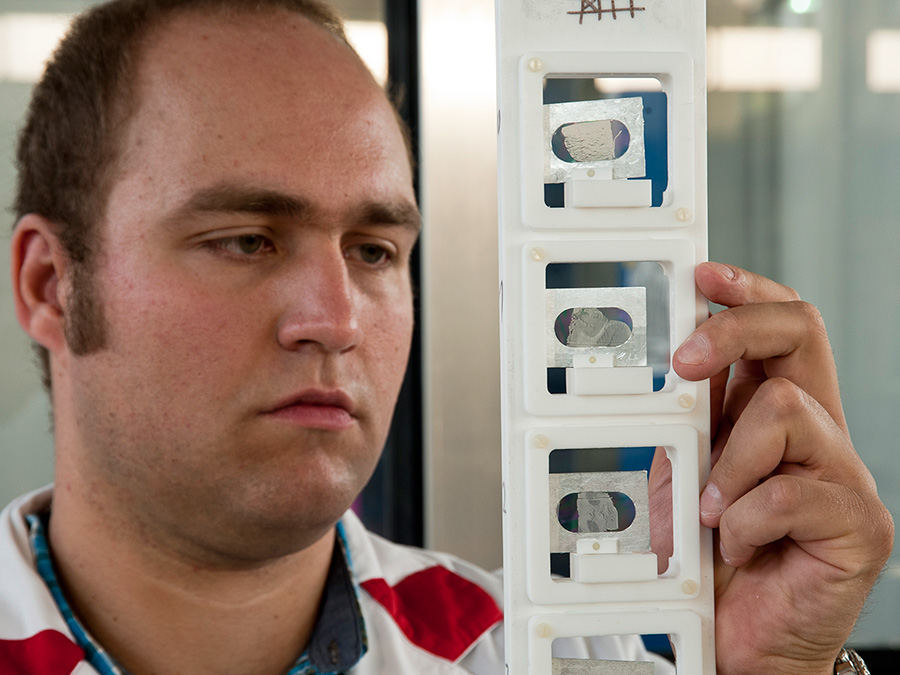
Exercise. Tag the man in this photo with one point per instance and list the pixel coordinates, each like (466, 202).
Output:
(215, 221)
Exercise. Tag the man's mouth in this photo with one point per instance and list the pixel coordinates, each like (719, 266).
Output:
(329, 410)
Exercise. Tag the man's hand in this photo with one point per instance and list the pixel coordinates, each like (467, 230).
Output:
(801, 532)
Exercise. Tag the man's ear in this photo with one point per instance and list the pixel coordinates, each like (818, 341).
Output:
(38, 264)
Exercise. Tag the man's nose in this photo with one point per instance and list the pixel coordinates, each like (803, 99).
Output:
(320, 304)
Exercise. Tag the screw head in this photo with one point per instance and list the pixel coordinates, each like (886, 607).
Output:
(686, 401)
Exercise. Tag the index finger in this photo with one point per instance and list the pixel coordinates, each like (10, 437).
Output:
(765, 322)
(732, 286)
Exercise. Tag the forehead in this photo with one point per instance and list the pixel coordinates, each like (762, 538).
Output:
(265, 97)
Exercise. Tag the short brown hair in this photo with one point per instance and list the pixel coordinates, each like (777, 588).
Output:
(69, 146)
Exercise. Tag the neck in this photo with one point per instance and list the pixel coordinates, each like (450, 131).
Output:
(156, 610)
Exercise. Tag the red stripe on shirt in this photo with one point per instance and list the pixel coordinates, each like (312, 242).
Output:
(438, 610)
(46, 653)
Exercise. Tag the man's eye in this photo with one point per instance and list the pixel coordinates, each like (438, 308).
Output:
(244, 244)
(250, 243)
(372, 254)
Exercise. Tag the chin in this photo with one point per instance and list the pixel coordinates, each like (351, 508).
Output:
(251, 540)
(286, 524)
(275, 513)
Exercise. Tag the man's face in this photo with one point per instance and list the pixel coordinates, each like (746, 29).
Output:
(254, 280)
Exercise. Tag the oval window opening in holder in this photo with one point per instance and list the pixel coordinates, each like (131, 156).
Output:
(588, 327)
(595, 512)
(594, 141)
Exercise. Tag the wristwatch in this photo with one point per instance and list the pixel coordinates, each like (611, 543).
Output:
(849, 663)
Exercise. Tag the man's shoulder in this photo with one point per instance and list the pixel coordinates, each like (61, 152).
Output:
(34, 637)
(20, 581)
(373, 556)
(423, 601)
(412, 599)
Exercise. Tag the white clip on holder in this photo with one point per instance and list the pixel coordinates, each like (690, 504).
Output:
(612, 207)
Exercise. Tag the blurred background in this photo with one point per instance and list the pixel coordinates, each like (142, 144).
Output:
(804, 163)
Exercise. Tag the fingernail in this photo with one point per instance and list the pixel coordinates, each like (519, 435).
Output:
(725, 270)
(694, 351)
(711, 503)
(724, 554)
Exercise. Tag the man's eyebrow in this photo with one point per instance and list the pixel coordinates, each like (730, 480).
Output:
(391, 213)
(228, 198)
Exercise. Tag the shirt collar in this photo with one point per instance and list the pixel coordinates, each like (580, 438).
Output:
(338, 640)
(337, 643)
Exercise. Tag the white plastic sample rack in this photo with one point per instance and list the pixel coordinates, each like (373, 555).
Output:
(602, 174)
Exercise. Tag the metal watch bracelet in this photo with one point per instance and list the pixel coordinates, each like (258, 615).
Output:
(849, 662)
